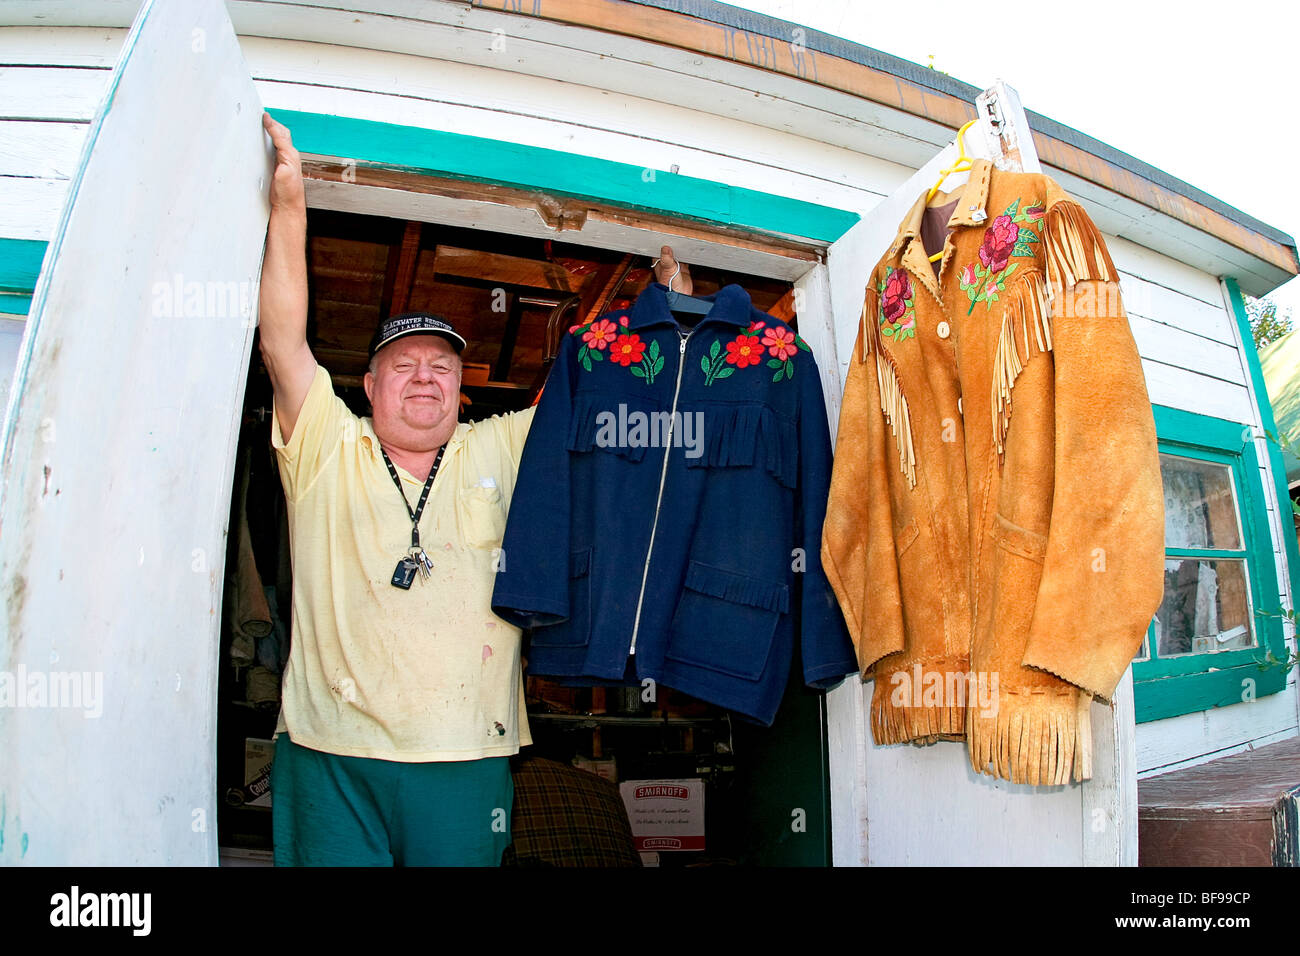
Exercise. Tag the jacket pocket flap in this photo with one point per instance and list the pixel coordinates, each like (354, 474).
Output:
(737, 588)
(623, 425)
(903, 540)
(1018, 540)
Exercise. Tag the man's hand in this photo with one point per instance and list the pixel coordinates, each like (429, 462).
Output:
(286, 185)
(664, 268)
(282, 300)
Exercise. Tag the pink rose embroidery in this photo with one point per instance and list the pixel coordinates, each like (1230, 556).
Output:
(898, 292)
(999, 241)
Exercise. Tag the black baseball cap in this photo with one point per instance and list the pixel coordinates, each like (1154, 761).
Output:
(414, 323)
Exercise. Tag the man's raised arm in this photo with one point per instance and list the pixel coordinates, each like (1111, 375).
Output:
(282, 320)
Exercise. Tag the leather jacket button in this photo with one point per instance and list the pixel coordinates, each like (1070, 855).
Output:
(942, 330)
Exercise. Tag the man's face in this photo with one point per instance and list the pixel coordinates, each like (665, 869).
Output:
(415, 392)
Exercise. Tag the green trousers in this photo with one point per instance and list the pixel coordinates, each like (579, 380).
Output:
(332, 810)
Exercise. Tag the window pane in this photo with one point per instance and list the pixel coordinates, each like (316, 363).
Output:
(1206, 608)
(1200, 506)
(1144, 652)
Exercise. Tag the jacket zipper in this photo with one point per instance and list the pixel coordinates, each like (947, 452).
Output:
(663, 475)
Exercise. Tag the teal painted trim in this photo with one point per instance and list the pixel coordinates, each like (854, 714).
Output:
(478, 159)
(1171, 686)
(1178, 425)
(20, 264)
(1208, 554)
(1276, 464)
(17, 306)
(1222, 688)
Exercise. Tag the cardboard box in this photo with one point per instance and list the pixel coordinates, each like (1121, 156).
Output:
(665, 814)
(258, 755)
(605, 767)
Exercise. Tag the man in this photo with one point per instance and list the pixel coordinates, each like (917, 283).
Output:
(403, 696)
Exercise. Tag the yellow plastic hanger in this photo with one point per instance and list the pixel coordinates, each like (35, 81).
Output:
(962, 164)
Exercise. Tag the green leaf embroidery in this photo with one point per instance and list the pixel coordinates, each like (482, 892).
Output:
(726, 372)
(654, 349)
(638, 371)
(1013, 208)
(704, 364)
(584, 357)
(774, 363)
(715, 348)
(1027, 235)
(802, 344)
(658, 366)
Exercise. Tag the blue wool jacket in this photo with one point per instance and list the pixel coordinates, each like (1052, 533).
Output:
(690, 541)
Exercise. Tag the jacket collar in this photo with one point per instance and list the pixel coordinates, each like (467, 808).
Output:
(970, 211)
(731, 305)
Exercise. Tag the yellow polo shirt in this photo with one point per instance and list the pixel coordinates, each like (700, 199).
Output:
(429, 674)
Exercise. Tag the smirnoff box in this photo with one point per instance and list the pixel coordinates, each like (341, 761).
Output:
(665, 814)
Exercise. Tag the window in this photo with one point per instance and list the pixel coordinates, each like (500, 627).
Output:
(1210, 640)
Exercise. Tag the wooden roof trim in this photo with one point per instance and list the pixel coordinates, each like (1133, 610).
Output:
(763, 52)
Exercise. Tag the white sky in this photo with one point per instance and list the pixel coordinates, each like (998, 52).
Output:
(1206, 91)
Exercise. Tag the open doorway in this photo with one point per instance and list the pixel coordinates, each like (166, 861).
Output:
(512, 297)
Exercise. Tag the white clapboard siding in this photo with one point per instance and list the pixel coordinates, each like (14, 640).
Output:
(29, 208)
(1177, 309)
(541, 48)
(1189, 739)
(60, 46)
(1175, 346)
(47, 150)
(1161, 270)
(51, 92)
(546, 133)
(1181, 388)
(651, 122)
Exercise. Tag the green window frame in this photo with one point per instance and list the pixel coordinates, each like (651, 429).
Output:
(1167, 687)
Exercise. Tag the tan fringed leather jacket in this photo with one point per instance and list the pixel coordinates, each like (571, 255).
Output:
(995, 528)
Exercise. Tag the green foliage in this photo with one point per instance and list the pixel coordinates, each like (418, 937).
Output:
(1266, 326)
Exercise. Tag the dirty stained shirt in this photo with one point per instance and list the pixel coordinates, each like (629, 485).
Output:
(426, 674)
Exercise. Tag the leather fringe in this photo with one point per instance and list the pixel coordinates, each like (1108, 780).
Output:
(1074, 249)
(1038, 738)
(1028, 306)
(899, 714)
(894, 403)
(892, 400)
(870, 307)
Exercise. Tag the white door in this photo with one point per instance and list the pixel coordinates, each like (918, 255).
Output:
(904, 805)
(118, 451)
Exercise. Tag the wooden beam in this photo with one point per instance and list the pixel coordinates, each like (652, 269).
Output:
(399, 274)
(560, 213)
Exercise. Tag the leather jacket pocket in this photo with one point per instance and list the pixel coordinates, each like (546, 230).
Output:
(576, 631)
(1018, 540)
(725, 621)
(904, 539)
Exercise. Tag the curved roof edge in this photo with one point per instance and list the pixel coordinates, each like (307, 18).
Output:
(820, 42)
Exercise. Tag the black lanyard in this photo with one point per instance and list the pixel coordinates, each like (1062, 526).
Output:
(424, 495)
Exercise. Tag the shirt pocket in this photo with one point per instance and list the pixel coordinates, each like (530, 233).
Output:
(725, 621)
(482, 516)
